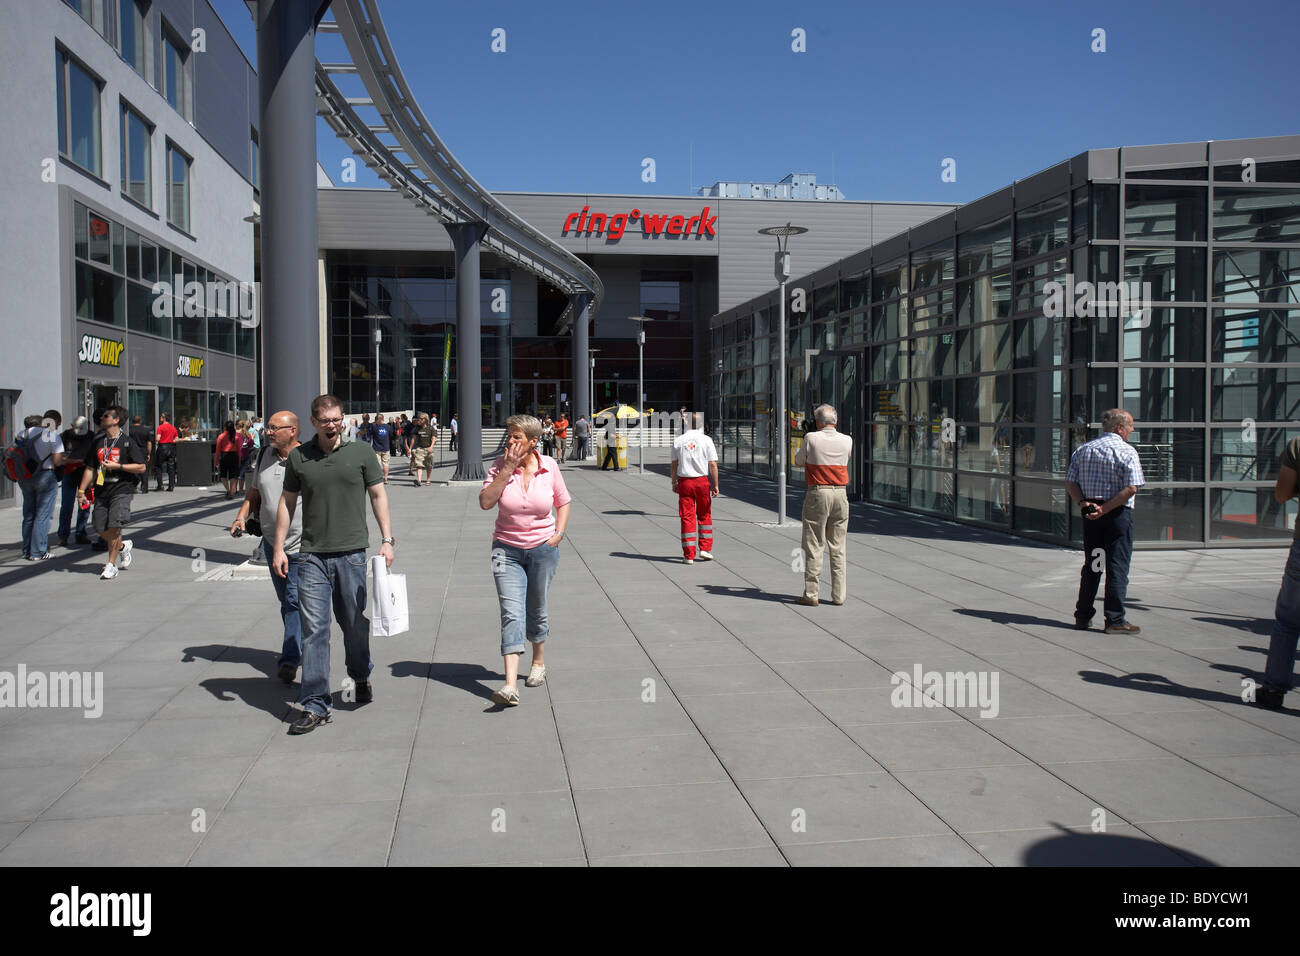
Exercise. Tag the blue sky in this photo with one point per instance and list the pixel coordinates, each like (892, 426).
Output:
(883, 94)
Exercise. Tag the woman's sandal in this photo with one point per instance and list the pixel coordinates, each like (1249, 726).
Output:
(536, 676)
(507, 696)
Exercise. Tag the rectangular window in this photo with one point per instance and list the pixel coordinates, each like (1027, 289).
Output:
(1256, 215)
(175, 76)
(133, 34)
(78, 106)
(178, 188)
(1164, 212)
(92, 11)
(1043, 227)
(137, 157)
(988, 247)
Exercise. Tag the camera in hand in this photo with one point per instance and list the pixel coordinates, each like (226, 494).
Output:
(1090, 508)
(253, 525)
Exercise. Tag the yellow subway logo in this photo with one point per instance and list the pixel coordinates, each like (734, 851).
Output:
(189, 367)
(97, 351)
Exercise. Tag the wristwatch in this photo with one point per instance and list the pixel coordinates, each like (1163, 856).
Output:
(392, 541)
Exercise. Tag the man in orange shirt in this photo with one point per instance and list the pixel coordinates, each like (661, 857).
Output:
(561, 437)
(824, 457)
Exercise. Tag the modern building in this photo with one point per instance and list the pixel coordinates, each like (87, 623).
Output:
(969, 355)
(387, 266)
(132, 142)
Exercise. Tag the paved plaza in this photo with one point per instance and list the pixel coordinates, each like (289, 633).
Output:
(692, 714)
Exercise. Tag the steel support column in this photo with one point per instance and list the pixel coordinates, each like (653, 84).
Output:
(286, 93)
(466, 236)
(580, 396)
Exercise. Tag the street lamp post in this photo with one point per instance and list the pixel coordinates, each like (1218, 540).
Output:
(379, 337)
(591, 397)
(412, 351)
(782, 270)
(640, 320)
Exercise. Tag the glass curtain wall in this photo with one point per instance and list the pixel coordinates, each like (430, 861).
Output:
(987, 363)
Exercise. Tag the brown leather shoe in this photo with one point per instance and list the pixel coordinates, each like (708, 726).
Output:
(1123, 629)
(806, 601)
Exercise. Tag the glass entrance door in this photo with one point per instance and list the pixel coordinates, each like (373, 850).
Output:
(144, 402)
(835, 378)
(101, 397)
(538, 398)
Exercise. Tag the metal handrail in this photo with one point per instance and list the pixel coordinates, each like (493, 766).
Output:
(443, 187)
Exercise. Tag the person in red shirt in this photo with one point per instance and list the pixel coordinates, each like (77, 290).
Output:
(561, 438)
(226, 458)
(165, 453)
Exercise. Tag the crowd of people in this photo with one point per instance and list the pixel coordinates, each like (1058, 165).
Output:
(309, 499)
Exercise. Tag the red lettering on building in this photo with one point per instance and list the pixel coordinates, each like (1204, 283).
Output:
(612, 226)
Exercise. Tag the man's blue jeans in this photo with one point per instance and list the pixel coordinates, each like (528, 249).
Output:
(326, 580)
(39, 494)
(286, 591)
(1112, 534)
(1280, 670)
(523, 578)
(69, 502)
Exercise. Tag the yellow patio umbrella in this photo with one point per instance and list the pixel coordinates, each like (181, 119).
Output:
(617, 411)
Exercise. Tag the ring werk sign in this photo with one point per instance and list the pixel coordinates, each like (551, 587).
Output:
(613, 226)
(188, 366)
(97, 351)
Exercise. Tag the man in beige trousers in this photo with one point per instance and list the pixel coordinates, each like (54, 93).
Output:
(824, 458)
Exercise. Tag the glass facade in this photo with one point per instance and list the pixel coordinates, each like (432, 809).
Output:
(971, 366)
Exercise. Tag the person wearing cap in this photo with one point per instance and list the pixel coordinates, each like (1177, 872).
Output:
(76, 445)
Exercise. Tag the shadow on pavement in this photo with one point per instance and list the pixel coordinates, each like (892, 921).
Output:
(662, 558)
(1256, 625)
(1009, 618)
(1157, 684)
(724, 590)
(264, 694)
(1075, 848)
(466, 677)
(255, 657)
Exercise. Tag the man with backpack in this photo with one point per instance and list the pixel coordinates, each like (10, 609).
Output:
(33, 461)
(112, 465)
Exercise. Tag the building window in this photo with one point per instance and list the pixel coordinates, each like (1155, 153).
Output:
(133, 34)
(92, 11)
(176, 62)
(78, 96)
(137, 157)
(178, 188)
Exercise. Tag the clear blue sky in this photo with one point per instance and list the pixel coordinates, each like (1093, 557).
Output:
(884, 93)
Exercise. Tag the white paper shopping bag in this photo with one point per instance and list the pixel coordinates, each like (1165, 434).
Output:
(388, 611)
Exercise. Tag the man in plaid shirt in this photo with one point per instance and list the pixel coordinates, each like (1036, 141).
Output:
(1104, 475)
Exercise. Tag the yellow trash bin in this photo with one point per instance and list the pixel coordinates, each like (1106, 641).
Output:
(620, 445)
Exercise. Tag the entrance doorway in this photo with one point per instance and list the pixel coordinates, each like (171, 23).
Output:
(97, 396)
(539, 398)
(835, 378)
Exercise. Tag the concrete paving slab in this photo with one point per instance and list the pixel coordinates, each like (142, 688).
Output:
(799, 752)
(1267, 841)
(151, 785)
(934, 745)
(309, 836)
(887, 851)
(353, 776)
(839, 807)
(503, 827)
(755, 856)
(440, 771)
(1118, 845)
(156, 839)
(1003, 798)
(38, 743)
(606, 763)
(1163, 791)
(680, 818)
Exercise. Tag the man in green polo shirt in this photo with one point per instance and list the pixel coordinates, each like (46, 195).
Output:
(334, 478)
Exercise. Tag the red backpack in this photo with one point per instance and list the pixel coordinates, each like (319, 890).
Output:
(21, 462)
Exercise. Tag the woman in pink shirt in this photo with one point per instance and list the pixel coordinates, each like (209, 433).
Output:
(524, 486)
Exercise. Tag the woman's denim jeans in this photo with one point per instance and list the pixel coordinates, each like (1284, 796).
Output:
(523, 577)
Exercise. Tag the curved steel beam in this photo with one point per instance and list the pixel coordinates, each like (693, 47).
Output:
(433, 179)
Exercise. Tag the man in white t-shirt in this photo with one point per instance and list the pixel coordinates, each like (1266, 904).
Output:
(45, 446)
(694, 472)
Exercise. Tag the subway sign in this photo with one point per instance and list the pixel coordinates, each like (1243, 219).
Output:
(99, 351)
(189, 367)
(612, 226)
